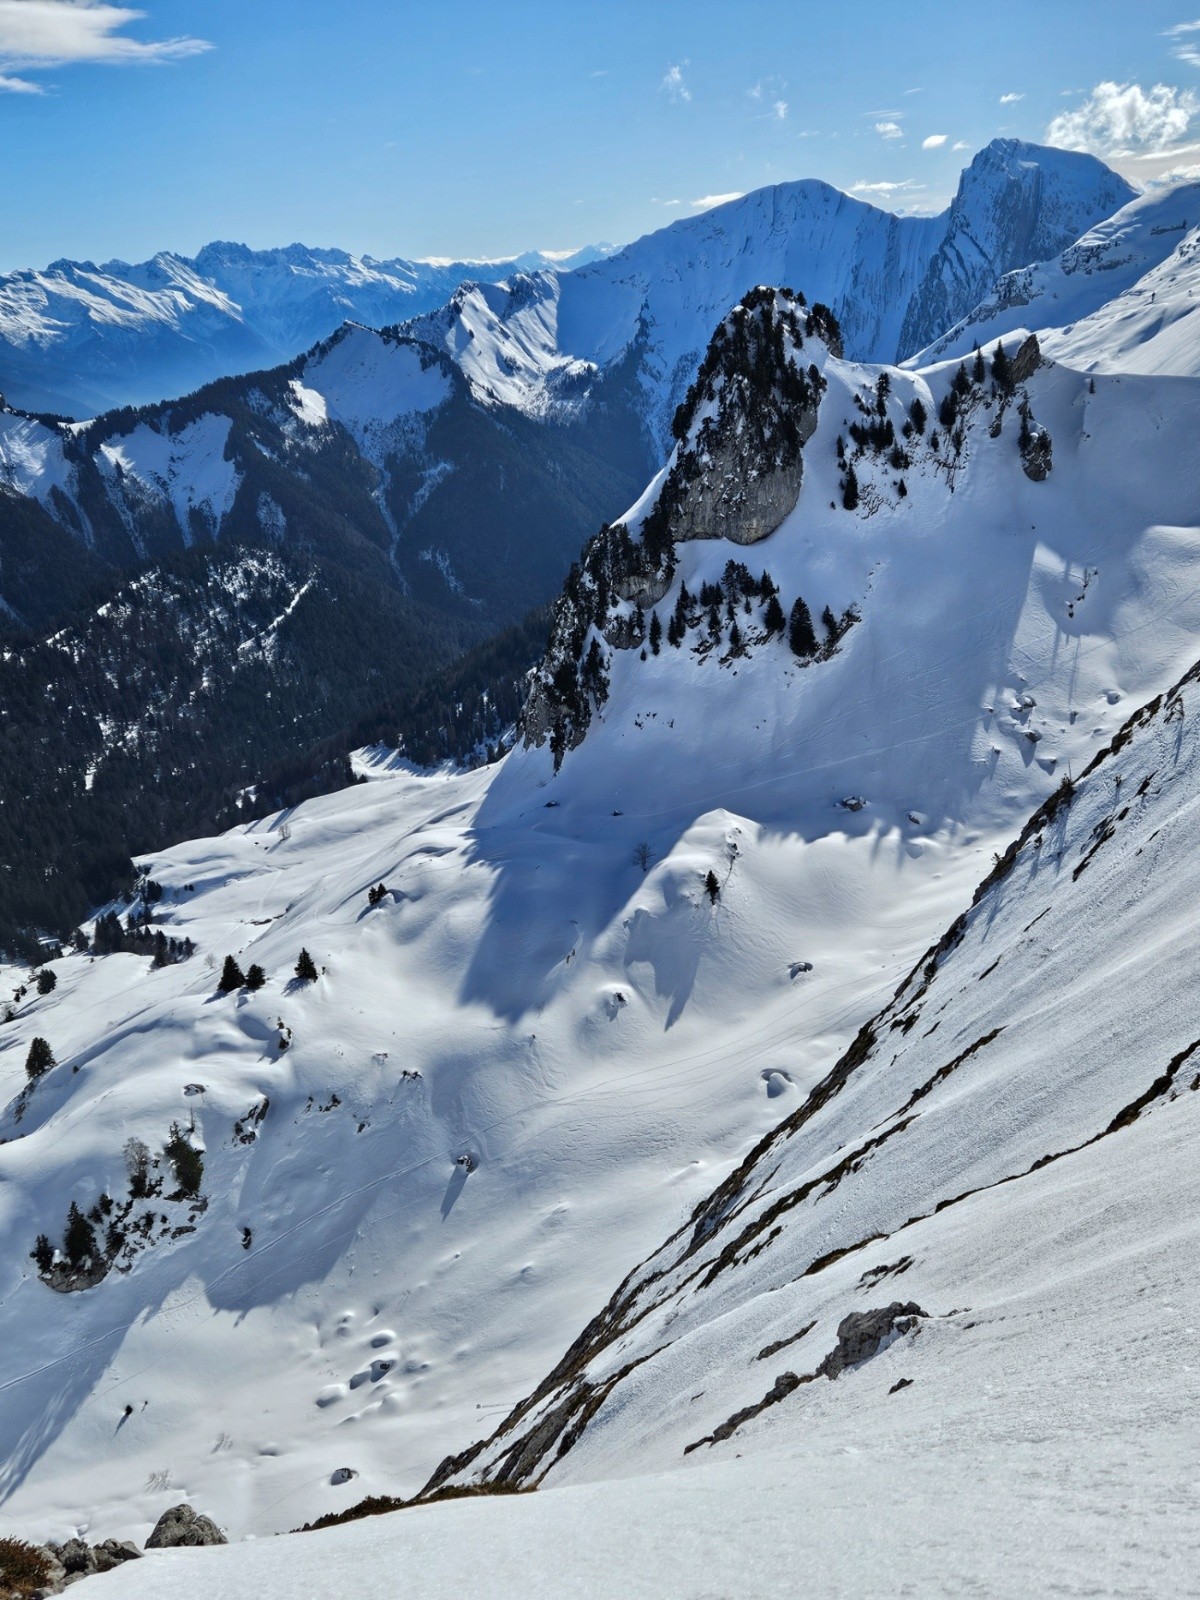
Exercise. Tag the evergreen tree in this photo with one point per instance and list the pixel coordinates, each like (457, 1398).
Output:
(39, 1060)
(801, 635)
(43, 1253)
(46, 982)
(79, 1242)
(255, 978)
(829, 623)
(773, 618)
(306, 968)
(711, 887)
(735, 638)
(882, 389)
(232, 977)
(655, 633)
(918, 416)
(978, 370)
(850, 489)
(1002, 370)
(187, 1161)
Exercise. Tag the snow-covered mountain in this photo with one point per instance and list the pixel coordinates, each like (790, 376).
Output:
(933, 1329)
(1122, 298)
(545, 398)
(894, 283)
(372, 442)
(77, 338)
(590, 978)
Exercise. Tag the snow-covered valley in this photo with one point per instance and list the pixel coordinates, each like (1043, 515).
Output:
(703, 959)
(540, 1048)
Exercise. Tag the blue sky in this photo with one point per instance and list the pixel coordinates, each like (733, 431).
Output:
(399, 127)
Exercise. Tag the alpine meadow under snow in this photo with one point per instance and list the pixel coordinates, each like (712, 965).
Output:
(756, 1111)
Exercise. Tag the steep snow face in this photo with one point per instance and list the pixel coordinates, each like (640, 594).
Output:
(538, 1050)
(894, 283)
(997, 1164)
(368, 383)
(31, 456)
(80, 338)
(1123, 298)
(191, 469)
(1016, 203)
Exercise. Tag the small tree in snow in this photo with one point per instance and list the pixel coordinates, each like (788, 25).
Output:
(79, 1242)
(306, 968)
(255, 978)
(46, 981)
(642, 855)
(801, 635)
(711, 887)
(137, 1165)
(39, 1060)
(232, 977)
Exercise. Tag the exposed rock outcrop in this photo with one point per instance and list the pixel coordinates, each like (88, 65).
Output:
(861, 1334)
(735, 474)
(184, 1525)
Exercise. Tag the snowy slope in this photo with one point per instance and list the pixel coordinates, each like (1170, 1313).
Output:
(603, 1042)
(79, 338)
(894, 283)
(1007, 1150)
(1123, 298)
(1010, 1149)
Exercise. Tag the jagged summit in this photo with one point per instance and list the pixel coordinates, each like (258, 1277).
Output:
(1123, 297)
(893, 283)
(734, 474)
(1016, 203)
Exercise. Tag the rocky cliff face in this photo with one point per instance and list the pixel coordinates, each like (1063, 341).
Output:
(735, 474)
(1016, 203)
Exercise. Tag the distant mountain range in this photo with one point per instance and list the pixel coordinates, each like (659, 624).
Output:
(77, 338)
(418, 487)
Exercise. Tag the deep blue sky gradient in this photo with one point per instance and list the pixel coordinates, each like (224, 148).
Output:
(484, 129)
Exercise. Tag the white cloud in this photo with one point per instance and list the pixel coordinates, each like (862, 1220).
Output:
(960, 144)
(780, 110)
(40, 34)
(674, 85)
(1185, 48)
(914, 91)
(1010, 99)
(655, 201)
(889, 130)
(707, 201)
(1122, 119)
(885, 188)
(935, 141)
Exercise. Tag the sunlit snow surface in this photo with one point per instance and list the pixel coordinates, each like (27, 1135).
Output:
(604, 1043)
